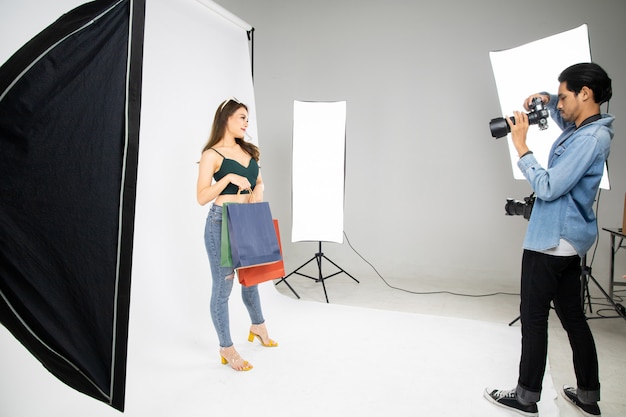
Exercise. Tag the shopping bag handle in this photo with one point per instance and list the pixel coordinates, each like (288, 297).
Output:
(251, 198)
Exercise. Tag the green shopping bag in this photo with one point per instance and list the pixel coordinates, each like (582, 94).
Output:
(226, 255)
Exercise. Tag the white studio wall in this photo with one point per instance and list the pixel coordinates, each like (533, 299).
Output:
(195, 56)
(425, 183)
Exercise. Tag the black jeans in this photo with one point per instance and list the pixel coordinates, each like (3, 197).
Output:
(547, 278)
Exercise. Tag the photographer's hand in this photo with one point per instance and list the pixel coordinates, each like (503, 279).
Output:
(545, 99)
(519, 129)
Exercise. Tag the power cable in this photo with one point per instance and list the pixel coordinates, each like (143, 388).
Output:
(421, 292)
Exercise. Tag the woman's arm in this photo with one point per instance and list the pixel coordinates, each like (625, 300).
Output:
(206, 189)
(258, 189)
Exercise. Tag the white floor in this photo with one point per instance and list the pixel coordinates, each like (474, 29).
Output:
(374, 351)
(499, 311)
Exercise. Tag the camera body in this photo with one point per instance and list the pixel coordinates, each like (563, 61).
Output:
(538, 115)
(520, 208)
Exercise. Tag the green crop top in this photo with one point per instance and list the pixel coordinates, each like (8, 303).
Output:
(251, 172)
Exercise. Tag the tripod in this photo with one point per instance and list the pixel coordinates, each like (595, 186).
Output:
(584, 288)
(318, 257)
(585, 276)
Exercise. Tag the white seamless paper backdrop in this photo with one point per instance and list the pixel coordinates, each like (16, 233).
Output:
(319, 142)
(532, 68)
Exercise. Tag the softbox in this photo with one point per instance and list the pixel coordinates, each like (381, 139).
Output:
(69, 132)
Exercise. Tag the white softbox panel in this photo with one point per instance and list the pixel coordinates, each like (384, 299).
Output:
(319, 134)
(532, 68)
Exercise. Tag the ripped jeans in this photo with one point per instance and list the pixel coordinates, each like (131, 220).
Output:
(222, 278)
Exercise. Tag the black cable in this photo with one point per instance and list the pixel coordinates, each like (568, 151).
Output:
(420, 292)
(461, 294)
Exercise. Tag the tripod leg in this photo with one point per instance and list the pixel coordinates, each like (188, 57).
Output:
(609, 299)
(320, 274)
(340, 268)
(283, 279)
(325, 293)
(513, 322)
(318, 257)
(585, 296)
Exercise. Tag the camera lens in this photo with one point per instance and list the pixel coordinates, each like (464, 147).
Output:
(499, 127)
(514, 207)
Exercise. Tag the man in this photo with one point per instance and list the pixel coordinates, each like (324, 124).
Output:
(561, 229)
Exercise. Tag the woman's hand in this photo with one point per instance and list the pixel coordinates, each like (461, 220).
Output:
(239, 181)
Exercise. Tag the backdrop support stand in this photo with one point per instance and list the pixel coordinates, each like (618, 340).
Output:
(318, 257)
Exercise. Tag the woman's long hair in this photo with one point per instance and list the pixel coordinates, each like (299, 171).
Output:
(224, 111)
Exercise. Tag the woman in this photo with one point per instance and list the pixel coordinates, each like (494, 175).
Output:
(233, 163)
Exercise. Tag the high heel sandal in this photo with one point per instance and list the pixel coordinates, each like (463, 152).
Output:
(260, 331)
(230, 356)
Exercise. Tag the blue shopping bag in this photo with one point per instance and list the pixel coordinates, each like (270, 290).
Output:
(252, 235)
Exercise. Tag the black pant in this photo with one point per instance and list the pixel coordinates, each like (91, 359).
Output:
(547, 278)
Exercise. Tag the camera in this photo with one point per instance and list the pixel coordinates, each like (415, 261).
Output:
(520, 208)
(538, 115)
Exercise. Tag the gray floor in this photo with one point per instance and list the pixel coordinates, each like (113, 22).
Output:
(374, 292)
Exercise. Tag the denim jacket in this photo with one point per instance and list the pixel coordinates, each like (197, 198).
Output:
(566, 190)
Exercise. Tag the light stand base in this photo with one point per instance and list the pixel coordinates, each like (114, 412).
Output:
(318, 257)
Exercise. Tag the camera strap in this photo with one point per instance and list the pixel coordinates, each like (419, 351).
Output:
(590, 119)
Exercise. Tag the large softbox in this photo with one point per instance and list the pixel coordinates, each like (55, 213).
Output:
(69, 132)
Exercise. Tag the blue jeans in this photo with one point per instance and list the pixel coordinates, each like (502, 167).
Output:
(547, 278)
(222, 278)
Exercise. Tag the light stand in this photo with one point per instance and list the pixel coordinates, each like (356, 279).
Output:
(318, 180)
(585, 296)
(318, 257)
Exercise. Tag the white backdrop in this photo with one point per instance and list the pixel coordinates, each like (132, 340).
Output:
(194, 58)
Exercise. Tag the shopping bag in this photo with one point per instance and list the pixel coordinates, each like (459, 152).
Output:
(226, 258)
(256, 274)
(252, 236)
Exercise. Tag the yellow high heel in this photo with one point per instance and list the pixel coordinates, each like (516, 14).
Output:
(260, 331)
(230, 356)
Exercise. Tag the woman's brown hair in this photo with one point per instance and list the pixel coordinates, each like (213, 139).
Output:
(223, 112)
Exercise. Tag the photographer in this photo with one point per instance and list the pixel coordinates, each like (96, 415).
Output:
(561, 229)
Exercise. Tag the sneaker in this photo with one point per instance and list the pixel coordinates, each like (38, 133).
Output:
(508, 399)
(588, 410)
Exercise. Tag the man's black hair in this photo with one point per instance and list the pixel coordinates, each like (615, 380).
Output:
(591, 75)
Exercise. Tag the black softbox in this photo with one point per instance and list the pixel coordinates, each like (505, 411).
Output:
(69, 137)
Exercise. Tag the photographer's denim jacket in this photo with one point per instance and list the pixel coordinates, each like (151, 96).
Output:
(567, 189)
